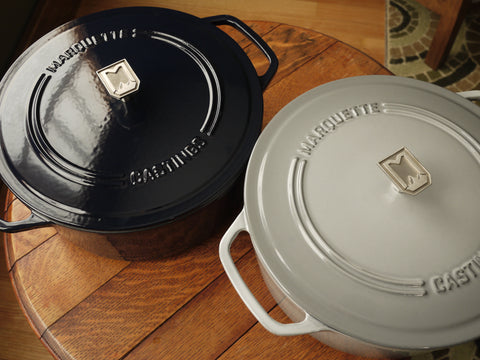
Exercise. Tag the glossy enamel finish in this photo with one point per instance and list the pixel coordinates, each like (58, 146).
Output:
(337, 238)
(80, 157)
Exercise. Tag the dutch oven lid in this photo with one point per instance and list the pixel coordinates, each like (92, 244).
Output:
(362, 199)
(128, 118)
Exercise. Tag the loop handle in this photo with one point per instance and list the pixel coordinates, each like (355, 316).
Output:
(254, 38)
(32, 222)
(470, 95)
(307, 326)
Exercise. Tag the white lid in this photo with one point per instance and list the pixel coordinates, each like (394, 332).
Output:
(347, 222)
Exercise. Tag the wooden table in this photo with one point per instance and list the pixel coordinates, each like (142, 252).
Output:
(87, 307)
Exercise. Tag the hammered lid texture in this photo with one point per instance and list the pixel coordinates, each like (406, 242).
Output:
(127, 119)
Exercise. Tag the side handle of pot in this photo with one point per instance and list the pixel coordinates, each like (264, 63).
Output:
(307, 326)
(254, 38)
(470, 95)
(32, 222)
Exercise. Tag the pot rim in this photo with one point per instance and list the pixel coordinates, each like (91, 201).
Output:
(49, 209)
(332, 313)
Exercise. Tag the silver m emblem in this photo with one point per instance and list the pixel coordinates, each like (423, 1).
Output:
(119, 79)
(406, 172)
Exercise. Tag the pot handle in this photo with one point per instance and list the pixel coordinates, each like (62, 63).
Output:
(307, 326)
(254, 38)
(470, 95)
(32, 222)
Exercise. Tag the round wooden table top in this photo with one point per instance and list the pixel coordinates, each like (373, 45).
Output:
(83, 306)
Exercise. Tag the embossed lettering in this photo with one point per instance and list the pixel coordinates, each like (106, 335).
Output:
(170, 165)
(365, 108)
(319, 131)
(53, 68)
(173, 164)
(313, 140)
(178, 161)
(331, 123)
(458, 277)
(78, 47)
(199, 142)
(191, 150)
(476, 260)
(375, 108)
(90, 41)
(468, 268)
(336, 119)
(357, 110)
(305, 148)
(347, 114)
(148, 175)
(70, 53)
(167, 165)
(136, 177)
(328, 125)
(437, 284)
(62, 59)
(449, 281)
(158, 171)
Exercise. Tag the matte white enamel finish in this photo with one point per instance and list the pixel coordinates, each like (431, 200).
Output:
(340, 240)
(306, 326)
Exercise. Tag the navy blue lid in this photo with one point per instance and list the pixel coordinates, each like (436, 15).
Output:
(128, 118)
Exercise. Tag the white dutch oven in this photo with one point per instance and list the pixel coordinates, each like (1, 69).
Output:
(362, 199)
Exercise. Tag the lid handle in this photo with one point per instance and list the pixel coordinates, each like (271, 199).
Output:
(306, 326)
(255, 39)
(32, 222)
(405, 171)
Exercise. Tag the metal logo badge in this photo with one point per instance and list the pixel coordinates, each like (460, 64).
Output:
(406, 172)
(119, 79)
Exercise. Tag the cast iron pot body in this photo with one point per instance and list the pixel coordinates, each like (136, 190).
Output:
(362, 201)
(123, 127)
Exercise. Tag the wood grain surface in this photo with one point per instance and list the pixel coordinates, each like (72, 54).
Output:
(84, 306)
(358, 23)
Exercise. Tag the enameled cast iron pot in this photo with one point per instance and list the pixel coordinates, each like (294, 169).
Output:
(133, 120)
(362, 200)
